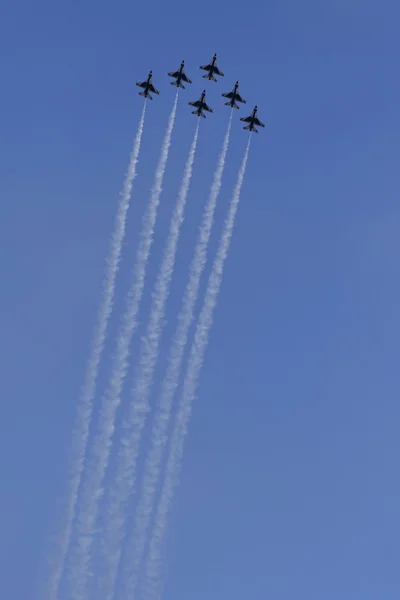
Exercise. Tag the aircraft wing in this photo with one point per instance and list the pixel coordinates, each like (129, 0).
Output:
(246, 119)
(240, 99)
(206, 107)
(175, 74)
(153, 89)
(258, 122)
(217, 71)
(206, 67)
(228, 95)
(141, 84)
(196, 103)
(186, 78)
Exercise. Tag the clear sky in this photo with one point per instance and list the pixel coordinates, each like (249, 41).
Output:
(290, 485)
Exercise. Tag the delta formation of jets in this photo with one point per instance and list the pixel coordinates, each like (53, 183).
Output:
(201, 105)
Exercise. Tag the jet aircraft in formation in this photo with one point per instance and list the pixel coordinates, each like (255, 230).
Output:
(253, 120)
(212, 70)
(180, 76)
(201, 105)
(147, 87)
(234, 97)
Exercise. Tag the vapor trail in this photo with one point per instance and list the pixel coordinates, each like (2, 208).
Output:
(170, 383)
(152, 579)
(92, 490)
(123, 487)
(85, 405)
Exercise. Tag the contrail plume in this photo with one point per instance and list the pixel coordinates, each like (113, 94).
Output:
(152, 579)
(85, 404)
(170, 383)
(125, 479)
(92, 490)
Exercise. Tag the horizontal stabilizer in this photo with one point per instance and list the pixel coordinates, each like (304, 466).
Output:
(174, 83)
(142, 94)
(235, 105)
(211, 78)
(181, 86)
(254, 129)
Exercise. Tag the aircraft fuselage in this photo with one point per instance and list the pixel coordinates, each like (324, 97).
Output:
(212, 69)
(148, 83)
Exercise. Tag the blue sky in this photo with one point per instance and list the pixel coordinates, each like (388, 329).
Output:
(290, 482)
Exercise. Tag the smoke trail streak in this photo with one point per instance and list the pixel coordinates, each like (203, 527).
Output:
(123, 487)
(92, 490)
(152, 579)
(85, 405)
(162, 418)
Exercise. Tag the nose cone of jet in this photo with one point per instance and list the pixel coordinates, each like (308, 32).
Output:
(151, 72)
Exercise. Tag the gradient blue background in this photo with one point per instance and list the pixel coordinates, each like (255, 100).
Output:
(290, 487)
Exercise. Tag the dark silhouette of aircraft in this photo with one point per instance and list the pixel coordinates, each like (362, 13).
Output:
(200, 106)
(234, 97)
(147, 87)
(212, 70)
(180, 76)
(253, 120)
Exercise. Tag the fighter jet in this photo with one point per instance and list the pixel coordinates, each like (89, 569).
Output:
(148, 87)
(253, 120)
(200, 106)
(180, 76)
(212, 70)
(233, 97)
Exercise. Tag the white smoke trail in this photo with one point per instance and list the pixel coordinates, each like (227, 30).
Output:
(152, 579)
(121, 491)
(92, 490)
(85, 405)
(160, 428)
